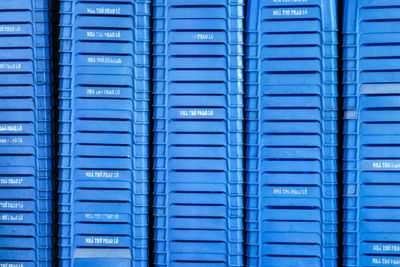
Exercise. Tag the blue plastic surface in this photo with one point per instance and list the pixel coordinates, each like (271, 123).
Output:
(291, 133)
(371, 53)
(198, 125)
(104, 118)
(26, 140)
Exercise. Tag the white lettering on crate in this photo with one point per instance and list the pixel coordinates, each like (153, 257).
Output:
(10, 128)
(10, 66)
(10, 28)
(101, 34)
(204, 36)
(101, 91)
(102, 240)
(104, 10)
(196, 112)
(99, 216)
(11, 181)
(11, 265)
(290, 12)
(11, 204)
(385, 261)
(11, 217)
(104, 60)
(385, 165)
(289, 191)
(102, 174)
(15, 140)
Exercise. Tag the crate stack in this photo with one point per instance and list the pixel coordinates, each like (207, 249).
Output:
(198, 124)
(26, 158)
(291, 133)
(104, 118)
(371, 53)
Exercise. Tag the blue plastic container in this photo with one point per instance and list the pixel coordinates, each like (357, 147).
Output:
(198, 140)
(371, 136)
(291, 133)
(26, 140)
(104, 118)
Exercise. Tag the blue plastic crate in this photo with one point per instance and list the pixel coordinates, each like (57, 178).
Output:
(198, 140)
(104, 118)
(26, 137)
(371, 136)
(291, 133)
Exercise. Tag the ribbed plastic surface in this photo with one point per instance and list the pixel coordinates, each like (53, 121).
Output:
(104, 93)
(198, 140)
(26, 162)
(371, 133)
(291, 133)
